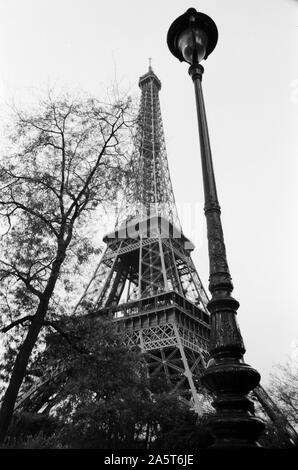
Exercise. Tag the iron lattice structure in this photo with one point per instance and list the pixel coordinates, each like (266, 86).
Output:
(149, 190)
(146, 281)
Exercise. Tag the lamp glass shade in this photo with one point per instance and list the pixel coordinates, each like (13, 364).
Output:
(192, 43)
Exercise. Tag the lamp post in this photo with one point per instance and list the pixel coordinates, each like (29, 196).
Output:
(191, 38)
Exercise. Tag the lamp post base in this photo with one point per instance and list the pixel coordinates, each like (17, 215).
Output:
(235, 431)
(230, 380)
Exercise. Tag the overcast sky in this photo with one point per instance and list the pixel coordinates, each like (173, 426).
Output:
(251, 95)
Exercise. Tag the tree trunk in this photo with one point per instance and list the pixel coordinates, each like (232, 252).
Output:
(17, 377)
(23, 356)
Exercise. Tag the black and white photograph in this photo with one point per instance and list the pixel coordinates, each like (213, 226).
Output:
(148, 229)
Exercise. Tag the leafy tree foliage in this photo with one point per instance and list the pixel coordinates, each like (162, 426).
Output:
(62, 161)
(104, 398)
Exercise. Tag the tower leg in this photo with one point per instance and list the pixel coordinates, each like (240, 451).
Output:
(188, 374)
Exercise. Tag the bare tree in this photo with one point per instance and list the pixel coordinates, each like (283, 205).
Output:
(64, 160)
(284, 389)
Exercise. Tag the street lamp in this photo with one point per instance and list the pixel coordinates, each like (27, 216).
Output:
(191, 38)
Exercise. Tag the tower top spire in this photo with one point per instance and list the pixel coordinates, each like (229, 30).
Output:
(150, 77)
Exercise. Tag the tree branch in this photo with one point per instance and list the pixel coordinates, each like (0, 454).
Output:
(21, 276)
(20, 321)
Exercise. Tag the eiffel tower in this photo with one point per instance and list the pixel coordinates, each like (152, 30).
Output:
(146, 281)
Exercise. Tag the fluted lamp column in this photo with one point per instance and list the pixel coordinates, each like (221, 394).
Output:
(191, 38)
